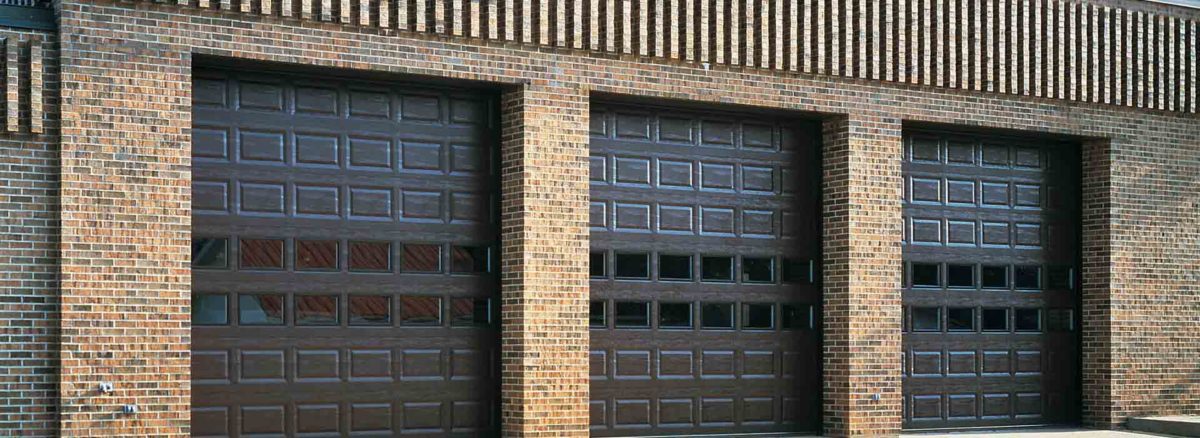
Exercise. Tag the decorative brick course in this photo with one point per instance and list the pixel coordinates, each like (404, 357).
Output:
(125, 207)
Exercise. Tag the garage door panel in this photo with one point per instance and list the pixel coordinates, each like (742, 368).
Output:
(345, 256)
(697, 293)
(989, 279)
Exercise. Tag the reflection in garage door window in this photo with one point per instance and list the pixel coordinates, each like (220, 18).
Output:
(674, 315)
(370, 256)
(716, 268)
(421, 311)
(316, 309)
(421, 258)
(633, 314)
(261, 309)
(470, 311)
(210, 252)
(261, 253)
(716, 315)
(370, 310)
(210, 309)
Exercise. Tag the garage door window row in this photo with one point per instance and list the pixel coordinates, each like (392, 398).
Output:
(988, 319)
(702, 315)
(328, 255)
(988, 276)
(331, 310)
(711, 267)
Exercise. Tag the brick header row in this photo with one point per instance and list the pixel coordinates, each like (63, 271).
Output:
(1097, 52)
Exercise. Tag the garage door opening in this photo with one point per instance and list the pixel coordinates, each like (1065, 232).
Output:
(991, 281)
(705, 247)
(344, 256)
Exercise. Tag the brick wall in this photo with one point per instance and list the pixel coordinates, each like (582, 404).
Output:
(124, 203)
(125, 238)
(861, 248)
(544, 192)
(29, 228)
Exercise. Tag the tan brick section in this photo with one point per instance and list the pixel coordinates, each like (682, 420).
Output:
(544, 286)
(126, 235)
(861, 187)
(124, 203)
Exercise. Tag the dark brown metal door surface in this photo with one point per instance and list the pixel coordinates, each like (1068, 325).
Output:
(990, 284)
(705, 242)
(344, 250)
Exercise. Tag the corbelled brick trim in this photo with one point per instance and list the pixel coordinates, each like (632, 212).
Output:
(861, 250)
(126, 236)
(1118, 52)
(29, 230)
(544, 237)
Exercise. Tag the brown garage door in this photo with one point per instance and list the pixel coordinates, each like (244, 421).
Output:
(704, 247)
(344, 242)
(990, 291)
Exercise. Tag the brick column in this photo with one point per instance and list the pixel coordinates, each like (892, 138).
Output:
(1096, 319)
(126, 232)
(861, 242)
(544, 235)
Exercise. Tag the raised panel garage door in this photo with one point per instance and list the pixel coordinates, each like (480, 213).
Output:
(705, 242)
(344, 236)
(991, 285)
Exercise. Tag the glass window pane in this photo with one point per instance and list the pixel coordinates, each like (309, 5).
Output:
(758, 269)
(470, 311)
(797, 271)
(210, 252)
(995, 320)
(926, 319)
(716, 268)
(1028, 320)
(421, 258)
(260, 309)
(995, 277)
(716, 315)
(1060, 320)
(634, 266)
(470, 259)
(316, 255)
(316, 309)
(597, 317)
(1027, 277)
(796, 316)
(370, 310)
(420, 310)
(675, 315)
(960, 319)
(926, 275)
(674, 267)
(261, 253)
(633, 314)
(758, 316)
(210, 309)
(597, 265)
(960, 276)
(370, 256)
(1060, 278)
